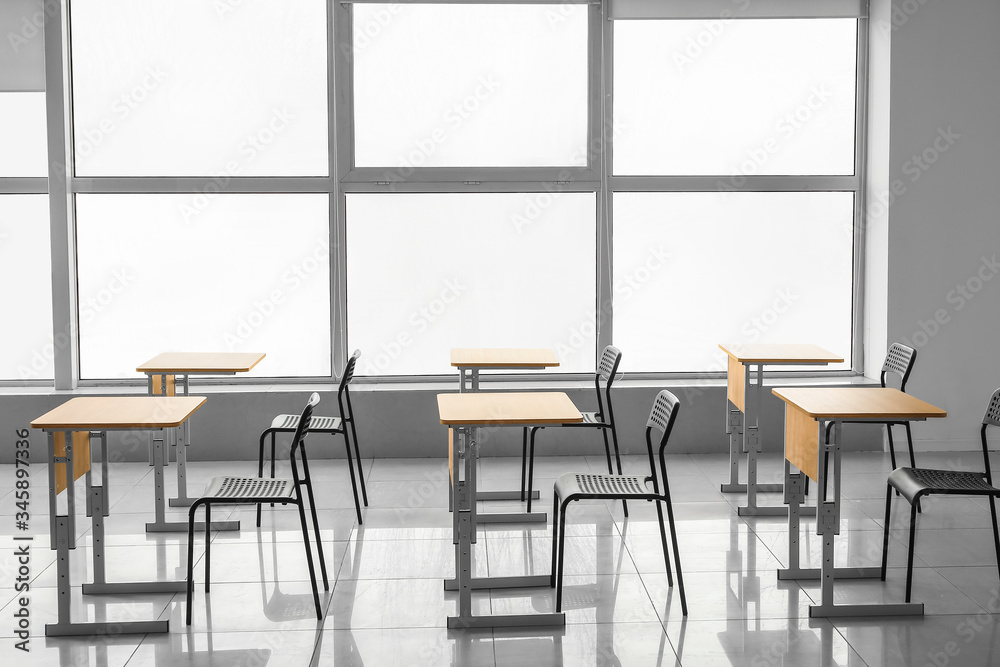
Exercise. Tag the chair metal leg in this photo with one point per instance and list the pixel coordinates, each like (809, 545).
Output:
(885, 530)
(357, 455)
(312, 508)
(260, 468)
(555, 529)
(562, 553)
(909, 556)
(190, 563)
(618, 461)
(208, 546)
(892, 447)
(607, 451)
(531, 462)
(524, 460)
(673, 538)
(996, 534)
(309, 559)
(909, 444)
(663, 540)
(354, 484)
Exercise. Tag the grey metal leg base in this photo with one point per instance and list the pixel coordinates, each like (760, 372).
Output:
(776, 510)
(838, 572)
(182, 526)
(842, 610)
(740, 487)
(180, 502)
(504, 495)
(128, 628)
(507, 621)
(124, 588)
(516, 517)
(482, 583)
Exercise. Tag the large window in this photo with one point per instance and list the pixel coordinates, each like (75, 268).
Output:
(429, 272)
(251, 274)
(734, 187)
(303, 178)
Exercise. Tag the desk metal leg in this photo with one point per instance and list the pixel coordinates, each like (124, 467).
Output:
(828, 527)
(751, 445)
(161, 525)
(181, 439)
(464, 523)
(734, 429)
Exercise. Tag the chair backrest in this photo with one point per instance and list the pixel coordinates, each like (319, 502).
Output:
(899, 360)
(344, 395)
(298, 441)
(661, 417)
(607, 367)
(992, 418)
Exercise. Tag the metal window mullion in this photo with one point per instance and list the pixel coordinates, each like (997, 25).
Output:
(65, 331)
(198, 184)
(860, 199)
(340, 72)
(24, 186)
(714, 183)
(602, 104)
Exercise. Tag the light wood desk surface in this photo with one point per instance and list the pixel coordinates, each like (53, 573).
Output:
(201, 362)
(503, 357)
(804, 405)
(119, 412)
(876, 403)
(515, 408)
(779, 353)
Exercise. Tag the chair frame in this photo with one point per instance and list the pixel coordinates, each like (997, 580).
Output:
(299, 481)
(607, 369)
(992, 418)
(662, 417)
(346, 418)
(899, 360)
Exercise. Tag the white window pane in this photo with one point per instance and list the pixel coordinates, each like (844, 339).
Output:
(250, 274)
(769, 96)
(192, 88)
(22, 141)
(430, 272)
(693, 270)
(470, 85)
(26, 299)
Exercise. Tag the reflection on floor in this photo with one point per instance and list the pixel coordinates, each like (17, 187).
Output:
(387, 605)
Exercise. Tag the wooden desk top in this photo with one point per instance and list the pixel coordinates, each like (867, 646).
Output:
(857, 403)
(547, 407)
(779, 353)
(119, 412)
(201, 362)
(503, 357)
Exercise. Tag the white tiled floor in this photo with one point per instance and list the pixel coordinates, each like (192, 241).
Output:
(386, 605)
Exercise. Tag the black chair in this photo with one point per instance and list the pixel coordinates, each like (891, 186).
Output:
(576, 486)
(899, 360)
(326, 426)
(915, 483)
(603, 419)
(255, 490)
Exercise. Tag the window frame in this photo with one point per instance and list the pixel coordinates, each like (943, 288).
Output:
(344, 178)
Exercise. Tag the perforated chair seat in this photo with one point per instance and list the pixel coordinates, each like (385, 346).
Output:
(915, 482)
(318, 424)
(249, 489)
(601, 486)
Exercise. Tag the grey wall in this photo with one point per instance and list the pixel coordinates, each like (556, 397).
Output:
(945, 75)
